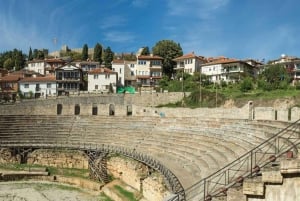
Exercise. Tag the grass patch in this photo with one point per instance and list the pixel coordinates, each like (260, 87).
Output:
(104, 197)
(124, 193)
(68, 172)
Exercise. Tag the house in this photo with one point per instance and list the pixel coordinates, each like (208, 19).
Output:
(38, 87)
(190, 63)
(118, 66)
(86, 66)
(125, 70)
(148, 70)
(102, 80)
(46, 66)
(228, 70)
(291, 64)
(9, 87)
(3, 72)
(69, 79)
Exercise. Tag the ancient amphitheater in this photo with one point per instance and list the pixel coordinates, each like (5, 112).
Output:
(203, 154)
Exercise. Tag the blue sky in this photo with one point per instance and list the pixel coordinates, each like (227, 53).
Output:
(240, 29)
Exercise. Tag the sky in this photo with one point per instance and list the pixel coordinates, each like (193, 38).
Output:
(241, 29)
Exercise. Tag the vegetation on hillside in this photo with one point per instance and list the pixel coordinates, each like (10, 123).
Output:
(274, 83)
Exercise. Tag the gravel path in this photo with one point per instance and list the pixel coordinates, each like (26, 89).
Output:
(43, 191)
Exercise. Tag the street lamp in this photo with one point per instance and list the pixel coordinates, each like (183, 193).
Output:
(200, 98)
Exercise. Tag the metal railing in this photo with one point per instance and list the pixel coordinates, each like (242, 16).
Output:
(248, 165)
(172, 181)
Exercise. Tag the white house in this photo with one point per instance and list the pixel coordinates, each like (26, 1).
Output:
(126, 71)
(118, 66)
(69, 79)
(38, 86)
(228, 70)
(45, 67)
(100, 80)
(148, 70)
(189, 62)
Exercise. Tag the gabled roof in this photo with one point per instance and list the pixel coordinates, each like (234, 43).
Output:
(149, 57)
(101, 71)
(69, 65)
(38, 79)
(118, 61)
(220, 60)
(189, 56)
(10, 78)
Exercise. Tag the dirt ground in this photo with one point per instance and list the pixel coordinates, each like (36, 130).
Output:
(43, 191)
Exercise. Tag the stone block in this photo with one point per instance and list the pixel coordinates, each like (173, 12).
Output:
(236, 194)
(289, 166)
(274, 177)
(251, 187)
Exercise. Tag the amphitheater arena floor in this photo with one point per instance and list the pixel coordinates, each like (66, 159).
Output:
(43, 191)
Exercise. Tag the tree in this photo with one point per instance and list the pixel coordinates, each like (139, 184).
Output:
(145, 51)
(9, 64)
(30, 56)
(273, 77)
(246, 84)
(98, 53)
(85, 52)
(168, 50)
(108, 57)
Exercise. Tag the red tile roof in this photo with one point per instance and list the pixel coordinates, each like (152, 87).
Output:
(148, 57)
(10, 78)
(38, 79)
(118, 61)
(101, 71)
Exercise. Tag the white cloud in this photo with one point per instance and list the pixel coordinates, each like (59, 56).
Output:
(112, 21)
(119, 37)
(140, 3)
(202, 9)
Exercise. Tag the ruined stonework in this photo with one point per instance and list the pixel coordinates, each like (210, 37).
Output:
(7, 157)
(138, 176)
(58, 158)
(130, 171)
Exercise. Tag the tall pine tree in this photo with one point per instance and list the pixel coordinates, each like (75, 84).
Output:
(108, 57)
(98, 53)
(85, 52)
(30, 56)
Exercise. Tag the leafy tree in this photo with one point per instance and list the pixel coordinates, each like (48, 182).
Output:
(168, 50)
(9, 64)
(30, 56)
(12, 59)
(246, 84)
(85, 52)
(108, 57)
(273, 77)
(40, 54)
(98, 53)
(145, 51)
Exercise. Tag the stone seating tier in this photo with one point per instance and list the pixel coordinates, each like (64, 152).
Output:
(192, 148)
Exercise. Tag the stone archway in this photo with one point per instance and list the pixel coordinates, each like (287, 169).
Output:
(111, 110)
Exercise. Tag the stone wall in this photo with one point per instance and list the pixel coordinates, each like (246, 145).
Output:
(133, 173)
(59, 158)
(138, 176)
(143, 105)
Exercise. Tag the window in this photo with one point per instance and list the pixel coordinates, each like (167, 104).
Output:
(107, 76)
(96, 86)
(131, 65)
(142, 62)
(95, 76)
(120, 70)
(48, 85)
(26, 86)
